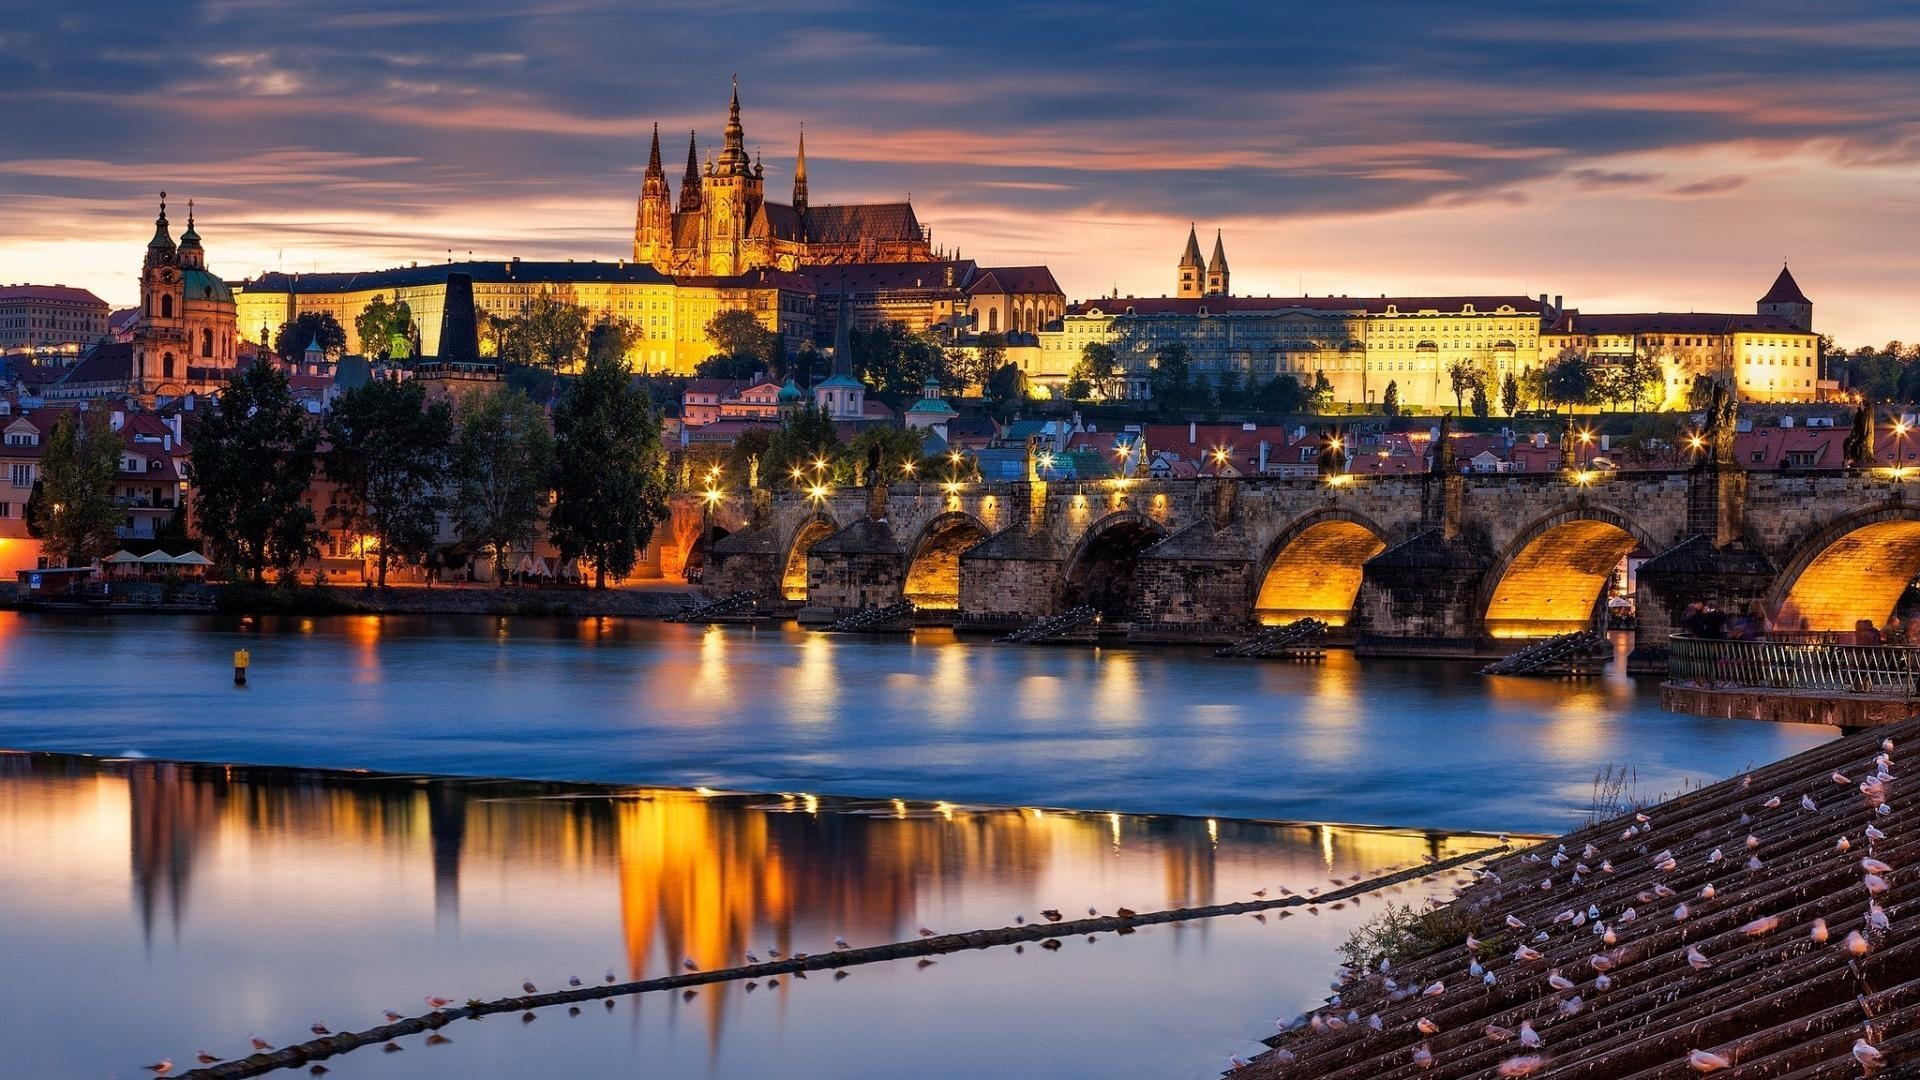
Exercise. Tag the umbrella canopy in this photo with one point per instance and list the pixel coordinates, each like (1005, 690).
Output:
(192, 558)
(540, 568)
(156, 558)
(526, 564)
(121, 556)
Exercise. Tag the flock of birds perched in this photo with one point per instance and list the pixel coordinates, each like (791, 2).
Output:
(1602, 923)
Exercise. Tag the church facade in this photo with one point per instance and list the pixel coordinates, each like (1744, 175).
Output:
(722, 224)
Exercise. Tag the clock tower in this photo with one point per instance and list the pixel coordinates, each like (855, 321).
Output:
(160, 335)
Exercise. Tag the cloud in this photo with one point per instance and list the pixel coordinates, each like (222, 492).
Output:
(1717, 185)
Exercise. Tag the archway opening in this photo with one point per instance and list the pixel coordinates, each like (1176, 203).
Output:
(933, 575)
(1317, 574)
(696, 565)
(793, 576)
(1551, 585)
(1860, 575)
(1102, 577)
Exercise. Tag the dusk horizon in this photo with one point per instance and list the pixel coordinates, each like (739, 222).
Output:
(1620, 158)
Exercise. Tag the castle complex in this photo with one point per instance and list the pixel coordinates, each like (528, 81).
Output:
(723, 225)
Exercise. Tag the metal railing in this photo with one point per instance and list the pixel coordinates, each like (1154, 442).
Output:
(1814, 666)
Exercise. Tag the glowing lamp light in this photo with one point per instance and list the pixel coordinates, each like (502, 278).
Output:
(952, 487)
(712, 495)
(1695, 442)
(1583, 477)
(817, 491)
(1899, 428)
(1339, 480)
(798, 472)
(1586, 435)
(907, 468)
(1046, 461)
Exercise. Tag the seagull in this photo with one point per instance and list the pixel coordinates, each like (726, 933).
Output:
(573, 980)
(205, 1058)
(773, 952)
(1427, 1026)
(161, 1067)
(685, 962)
(527, 985)
(260, 1043)
(393, 1017)
(1875, 866)
(1524, 954)
(1680, 913)
(1423, 1056)
(1602, 984)
(393, 1047)
(1806, 803)
(1819, 933)
(1375, 1023)
(1260, 893)
(924, 932)
(1497, 1033)
(1875, 884)
(1702, 1061)
(1841, 779)
(1559, 981)
(1697, 959)
(1707, 891)
(1714, 856)
(1875, 834)
(1524, 1065)
(1515, 924)
(319, 1028)
(610, 978)
(1530, 1038)
(751, 959)
(1772, 803)
(1842, 845)
(1600, 962)
(839, 943)
(1868, 1055)
(1050, 915)
(1856, 944)
(1762, 926)
(1754, 864)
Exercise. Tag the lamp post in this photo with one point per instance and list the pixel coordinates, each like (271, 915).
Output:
(1219, 459)
(1586, 443)
(1899, 452)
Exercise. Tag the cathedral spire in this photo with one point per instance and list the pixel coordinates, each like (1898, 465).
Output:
(162, 243)
(654, 168)
(800, 173)
(733, 157)
(690, 183)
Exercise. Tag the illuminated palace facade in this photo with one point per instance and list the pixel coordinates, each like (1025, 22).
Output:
(1363, 344)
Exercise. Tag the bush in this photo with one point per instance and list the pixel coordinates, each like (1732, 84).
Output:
(1400, 933)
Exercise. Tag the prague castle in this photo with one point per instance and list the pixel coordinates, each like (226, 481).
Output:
(723, 225)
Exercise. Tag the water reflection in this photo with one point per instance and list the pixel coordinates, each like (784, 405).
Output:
(337, 895)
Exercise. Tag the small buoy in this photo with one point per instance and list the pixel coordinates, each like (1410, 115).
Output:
(240, 661)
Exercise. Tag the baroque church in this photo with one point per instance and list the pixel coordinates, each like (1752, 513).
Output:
(723, 226)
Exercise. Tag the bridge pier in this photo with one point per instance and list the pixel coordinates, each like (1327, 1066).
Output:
(1011, 578)
(1420, 598)
(862, 566)
(1195, 586)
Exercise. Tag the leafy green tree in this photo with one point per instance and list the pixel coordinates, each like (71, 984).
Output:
(1280, 394)
(807, 435)
(253, 459)
(307, 327)
(724, 366)
(1570, 379)
(503, 470)
(496, 334)
(1320, 398)
(614, 338)
(1227, 388)
(1098, 370)
(893, 448)
(738, 335)
(895, 363)
(1390, 401)
(1463, 375)
(1509, 394)
(1532, 386)
(1007, 384)
(610, 479)
(389, 453)
(386, 330)
(550, 334)
(1482, 407)
(74, 513)
(967, 368)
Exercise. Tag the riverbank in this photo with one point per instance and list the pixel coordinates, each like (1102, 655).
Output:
(647, 600)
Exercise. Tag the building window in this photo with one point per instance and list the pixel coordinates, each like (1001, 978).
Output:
(6, 510)
(166, 307)
(23, 476)
(206, 342)
(166, 366)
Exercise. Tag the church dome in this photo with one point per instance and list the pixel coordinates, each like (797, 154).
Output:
(789, 393)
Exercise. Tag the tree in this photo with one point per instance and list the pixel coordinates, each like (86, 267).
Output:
(503, 469)
(1098, 370)
(253, 459)
(386, 330)
(1481, 406)
(895, 363)
(1390, 401)
(389, 454)
(973, 367)
(1641, 377)
(1509, 394)
(1570, 379)
(1007, 383)
(610, 471)
(807, 435)
(1280, 394)
(1463, 375)
(738, 335)
(550, 334)
(1320, 398)
(496, 335)
(893, 447)
(306, 328)
(1170, 380)
(74, 512)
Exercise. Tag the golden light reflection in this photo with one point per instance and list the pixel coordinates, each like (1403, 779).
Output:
(1317, 575)
(1859, 576)
(1551, 585)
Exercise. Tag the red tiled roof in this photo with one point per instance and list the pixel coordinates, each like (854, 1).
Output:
(891, 277)
(60, 294)
(861, 221)
(1016, 280)
(1228, 305)
(1668, 322)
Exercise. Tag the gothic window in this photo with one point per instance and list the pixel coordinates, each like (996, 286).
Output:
(166, 307)
(166, 366)
(993, 320)
(206, 342)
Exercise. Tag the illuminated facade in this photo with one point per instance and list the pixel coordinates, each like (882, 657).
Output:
(186, 336)
(723, 224)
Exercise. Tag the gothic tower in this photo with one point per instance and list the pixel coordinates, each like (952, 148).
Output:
(1191, 268)
(653, 223)
(731, 194)
(690, 182)
(1217, 268)
(800, 175)
(1787, 301)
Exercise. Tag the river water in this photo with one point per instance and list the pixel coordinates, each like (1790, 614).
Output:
(149, 908)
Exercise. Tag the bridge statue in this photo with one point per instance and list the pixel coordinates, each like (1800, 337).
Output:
(873, 464)
(1442, 464)
(1721, 424)
(753, 470)
(686, 473)
(1858, 448)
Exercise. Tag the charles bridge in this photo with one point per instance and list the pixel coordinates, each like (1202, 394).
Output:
(1416, 565)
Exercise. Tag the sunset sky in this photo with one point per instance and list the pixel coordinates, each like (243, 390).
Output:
(1631, 156)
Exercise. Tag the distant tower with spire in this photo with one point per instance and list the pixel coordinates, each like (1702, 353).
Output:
(1192, 270)
(1786, 301)
(653, 223)
(690, 180)
(800, 175)
(185, 336)
(1217, 269)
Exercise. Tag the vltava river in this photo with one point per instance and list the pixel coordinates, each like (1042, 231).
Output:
(1164, 731)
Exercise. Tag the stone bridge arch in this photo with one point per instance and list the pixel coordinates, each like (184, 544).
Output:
(1100, 569)
(1550, 577)
(1854, 567)
(933, 559)
(808, 531)
(1313, 567)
